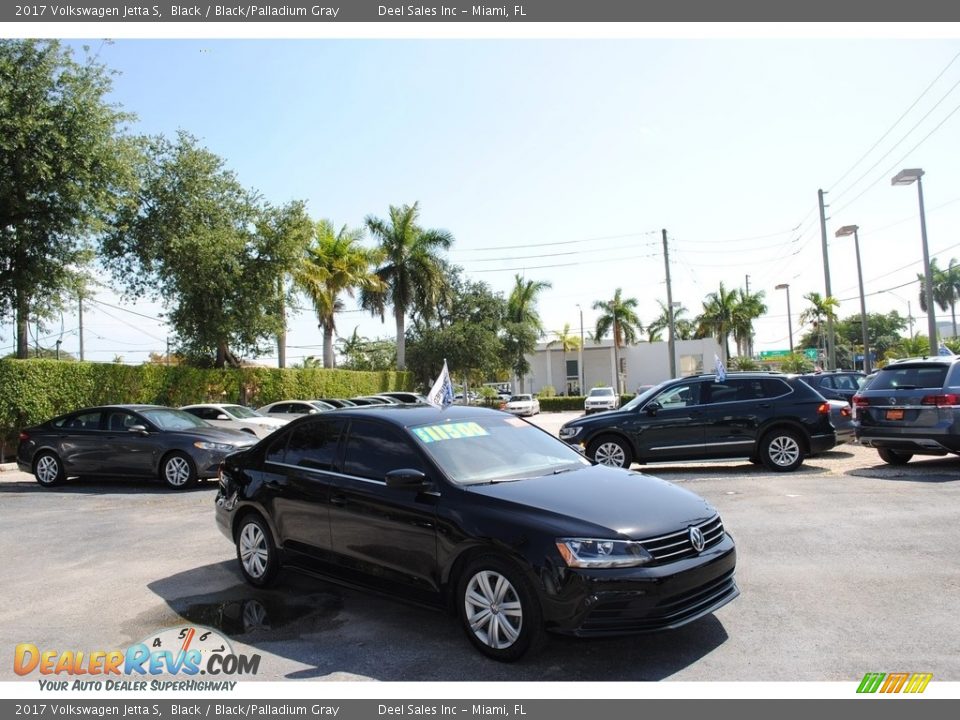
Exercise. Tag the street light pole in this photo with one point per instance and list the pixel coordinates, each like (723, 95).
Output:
(786, 286)
(907, 177)
(580, 358)
(843, 232)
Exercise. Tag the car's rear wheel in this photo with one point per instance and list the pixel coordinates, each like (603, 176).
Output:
(256, 553)
(48, 469)
(610, 450)
(178, 471)
(499, 609)
(894, 457)
(781, 450)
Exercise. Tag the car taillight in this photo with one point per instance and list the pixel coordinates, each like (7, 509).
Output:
(941, 400)
(845, 411)
(860, 401)
(24, 436)
(824, 409)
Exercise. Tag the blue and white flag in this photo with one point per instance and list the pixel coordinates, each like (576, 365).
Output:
(721, 370)
(943, 350)
(441, 394)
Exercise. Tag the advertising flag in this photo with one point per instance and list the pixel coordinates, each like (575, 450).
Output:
(441, 394)
(721, 370)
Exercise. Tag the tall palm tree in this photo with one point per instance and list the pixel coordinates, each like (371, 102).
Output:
(567, 341)
(820, 311)
(412, 273)
(749, 307)
(334, 263)
(718, 317)
(523, 325)
(662, 322)
(619, 315)
(946, 288)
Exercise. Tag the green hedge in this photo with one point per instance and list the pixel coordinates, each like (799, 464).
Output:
(32, 391)
(573, 402)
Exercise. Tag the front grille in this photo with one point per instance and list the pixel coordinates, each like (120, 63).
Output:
(677, 546)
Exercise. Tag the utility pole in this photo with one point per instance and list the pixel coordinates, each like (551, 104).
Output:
(831, 344)
(910, 318)
(80, 298)
(748, 284)
(168, 350)
(671, 343)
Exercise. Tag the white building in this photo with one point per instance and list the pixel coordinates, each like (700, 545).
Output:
(641, 364)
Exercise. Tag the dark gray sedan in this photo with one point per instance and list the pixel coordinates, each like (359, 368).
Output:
(144, 441)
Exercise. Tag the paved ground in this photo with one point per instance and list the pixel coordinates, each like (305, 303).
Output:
(846, 566)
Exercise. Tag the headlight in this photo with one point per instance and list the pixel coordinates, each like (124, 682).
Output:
(204, 445)
(590, 553)
(569, 432)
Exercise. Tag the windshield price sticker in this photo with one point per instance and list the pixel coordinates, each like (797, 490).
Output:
(449, 431)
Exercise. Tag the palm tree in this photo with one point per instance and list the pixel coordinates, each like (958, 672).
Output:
(334, 263)
(946, 289)
(567, 341)
(412, 273)
(662, 322)
(820, 311)
(619, 315)
(749, 307)
(523, 325)
(718, 317)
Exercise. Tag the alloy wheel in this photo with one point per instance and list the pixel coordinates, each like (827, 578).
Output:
(610, 453)
(784, 450)
(177, 471)
(254, 552)
(47, 470)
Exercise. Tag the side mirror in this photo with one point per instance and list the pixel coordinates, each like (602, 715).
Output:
(138, 429)
(221, 416)
(652, 408)
(312, 412)
(406, 478)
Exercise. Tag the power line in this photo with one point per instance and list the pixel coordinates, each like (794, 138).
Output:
(527, 246)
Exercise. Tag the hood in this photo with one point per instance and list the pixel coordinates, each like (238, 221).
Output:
(268, 421)
(603, 419)
(624, 503)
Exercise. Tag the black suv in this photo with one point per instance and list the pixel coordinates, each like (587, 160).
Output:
(840, 385)
(770, 418)
(912, 407)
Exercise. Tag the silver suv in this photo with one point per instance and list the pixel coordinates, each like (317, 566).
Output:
(912, 407)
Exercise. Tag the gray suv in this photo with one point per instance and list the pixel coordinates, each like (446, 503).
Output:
(912, 407)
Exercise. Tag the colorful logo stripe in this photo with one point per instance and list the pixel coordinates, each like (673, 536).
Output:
(894, 682)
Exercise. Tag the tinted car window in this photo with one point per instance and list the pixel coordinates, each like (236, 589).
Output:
(120, 420)
(82, 421)
(373, 450)
(277, 448)
(314, 445)
(910, 377)
(773, 387)
(204, 413)
(678, 396)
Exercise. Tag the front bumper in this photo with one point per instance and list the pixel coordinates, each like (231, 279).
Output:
(639, 600)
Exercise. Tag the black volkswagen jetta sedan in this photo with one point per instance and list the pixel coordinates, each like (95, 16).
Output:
(479, 512)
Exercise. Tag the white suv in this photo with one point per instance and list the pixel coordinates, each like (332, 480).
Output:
(600, 399)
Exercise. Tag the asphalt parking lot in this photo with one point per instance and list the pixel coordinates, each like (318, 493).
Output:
(845, 567)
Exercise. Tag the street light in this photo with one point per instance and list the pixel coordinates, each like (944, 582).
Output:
(907, 177)
(786, 286)
(846, 231)
(582, 377)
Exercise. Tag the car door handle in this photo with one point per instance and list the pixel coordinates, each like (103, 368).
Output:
(338, 500)
(275, 484)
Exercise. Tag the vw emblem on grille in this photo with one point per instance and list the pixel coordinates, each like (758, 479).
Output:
(696, 539)
(892, 401)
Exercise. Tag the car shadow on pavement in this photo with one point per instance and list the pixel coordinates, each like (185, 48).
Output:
(730, 468)
(918, 470)
(334, 630)
(103, 486)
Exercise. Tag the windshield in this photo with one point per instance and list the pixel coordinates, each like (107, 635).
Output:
(644, 396)
(520, 398)
(495, 449)
(601, 392)
(169, 419)
(240, 412)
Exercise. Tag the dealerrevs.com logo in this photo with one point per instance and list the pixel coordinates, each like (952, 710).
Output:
(894, 682)
(189, 651)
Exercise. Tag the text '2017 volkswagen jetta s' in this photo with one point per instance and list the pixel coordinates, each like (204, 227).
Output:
(479, 512)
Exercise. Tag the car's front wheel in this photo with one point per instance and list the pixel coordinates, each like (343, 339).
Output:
(781, 451)
(48, 469)
(610, 450)
(178, 471)
(894, 457)
(499, 609)
(256, 553)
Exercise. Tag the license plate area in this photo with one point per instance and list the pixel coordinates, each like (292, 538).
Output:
(894, 414)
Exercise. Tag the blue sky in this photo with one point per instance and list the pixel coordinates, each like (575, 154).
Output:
(574, 154)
